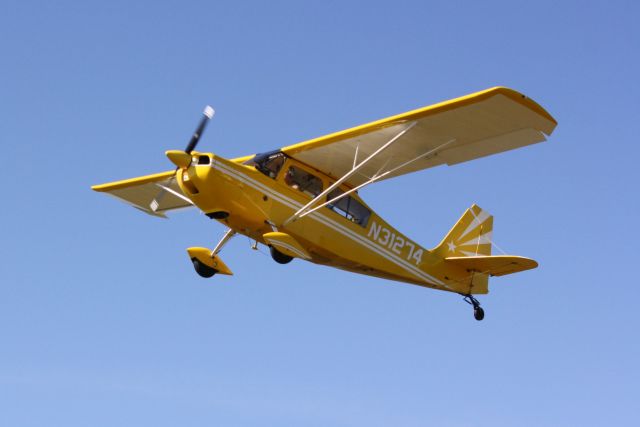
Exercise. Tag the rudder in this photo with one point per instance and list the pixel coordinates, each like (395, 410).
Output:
(470, 236)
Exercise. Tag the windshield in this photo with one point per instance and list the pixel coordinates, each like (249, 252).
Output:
(268, 163)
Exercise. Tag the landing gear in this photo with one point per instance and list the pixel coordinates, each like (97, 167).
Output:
(279, 257)
(478, 312)
(206, 262)
(202, 269)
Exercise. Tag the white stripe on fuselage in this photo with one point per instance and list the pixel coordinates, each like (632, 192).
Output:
(327, 222)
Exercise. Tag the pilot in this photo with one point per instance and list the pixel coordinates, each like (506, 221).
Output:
(273, 165)
(289, 179)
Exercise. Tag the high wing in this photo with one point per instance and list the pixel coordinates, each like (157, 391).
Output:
(451, 132)
(140, 192)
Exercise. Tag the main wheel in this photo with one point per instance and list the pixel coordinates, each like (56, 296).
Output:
(202, 269)
(478, 313)
(279, 257)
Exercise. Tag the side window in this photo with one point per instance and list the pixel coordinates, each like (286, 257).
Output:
(301, 180)
(269, 164)
(349, 208)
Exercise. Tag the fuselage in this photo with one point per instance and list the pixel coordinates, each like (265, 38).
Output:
(253, 198)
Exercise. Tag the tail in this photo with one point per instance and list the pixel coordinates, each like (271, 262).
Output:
(466, 254)
(471, 236)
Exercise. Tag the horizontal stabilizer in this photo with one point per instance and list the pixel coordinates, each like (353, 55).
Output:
(497, 265)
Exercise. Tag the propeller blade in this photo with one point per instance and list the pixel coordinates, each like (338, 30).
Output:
(207, 114)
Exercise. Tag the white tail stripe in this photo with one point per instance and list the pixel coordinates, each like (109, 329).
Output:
(477, 220)
(330, 223)
(480, 240)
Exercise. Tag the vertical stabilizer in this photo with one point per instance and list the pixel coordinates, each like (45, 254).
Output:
(471, 236)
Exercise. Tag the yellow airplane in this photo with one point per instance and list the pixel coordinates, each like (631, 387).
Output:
(302, 200)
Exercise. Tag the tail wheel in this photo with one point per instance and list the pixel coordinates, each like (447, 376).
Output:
(478, 312)
(202, 269)
(279, 257)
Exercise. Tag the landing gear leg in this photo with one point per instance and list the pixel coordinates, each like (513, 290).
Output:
(478, 312)
(229, 234)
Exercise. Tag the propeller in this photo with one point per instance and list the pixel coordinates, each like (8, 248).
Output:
(207, 114)
(183, 158)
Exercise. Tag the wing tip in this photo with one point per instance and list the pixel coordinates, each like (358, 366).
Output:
(116, 185)
(526, 101)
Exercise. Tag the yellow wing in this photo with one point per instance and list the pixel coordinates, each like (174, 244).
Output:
(140, 193)
(455, 131)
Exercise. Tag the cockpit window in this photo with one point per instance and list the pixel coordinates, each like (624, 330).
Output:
(349, 208)
(301, 180)
(269, 163)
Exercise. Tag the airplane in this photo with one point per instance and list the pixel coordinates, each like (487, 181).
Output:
(302, 200)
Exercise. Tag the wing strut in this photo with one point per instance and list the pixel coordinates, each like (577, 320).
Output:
(175, 193)
(229, 234)
(310, 207)
(346, 176)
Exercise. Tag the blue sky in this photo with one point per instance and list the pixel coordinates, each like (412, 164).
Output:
(103, 321)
